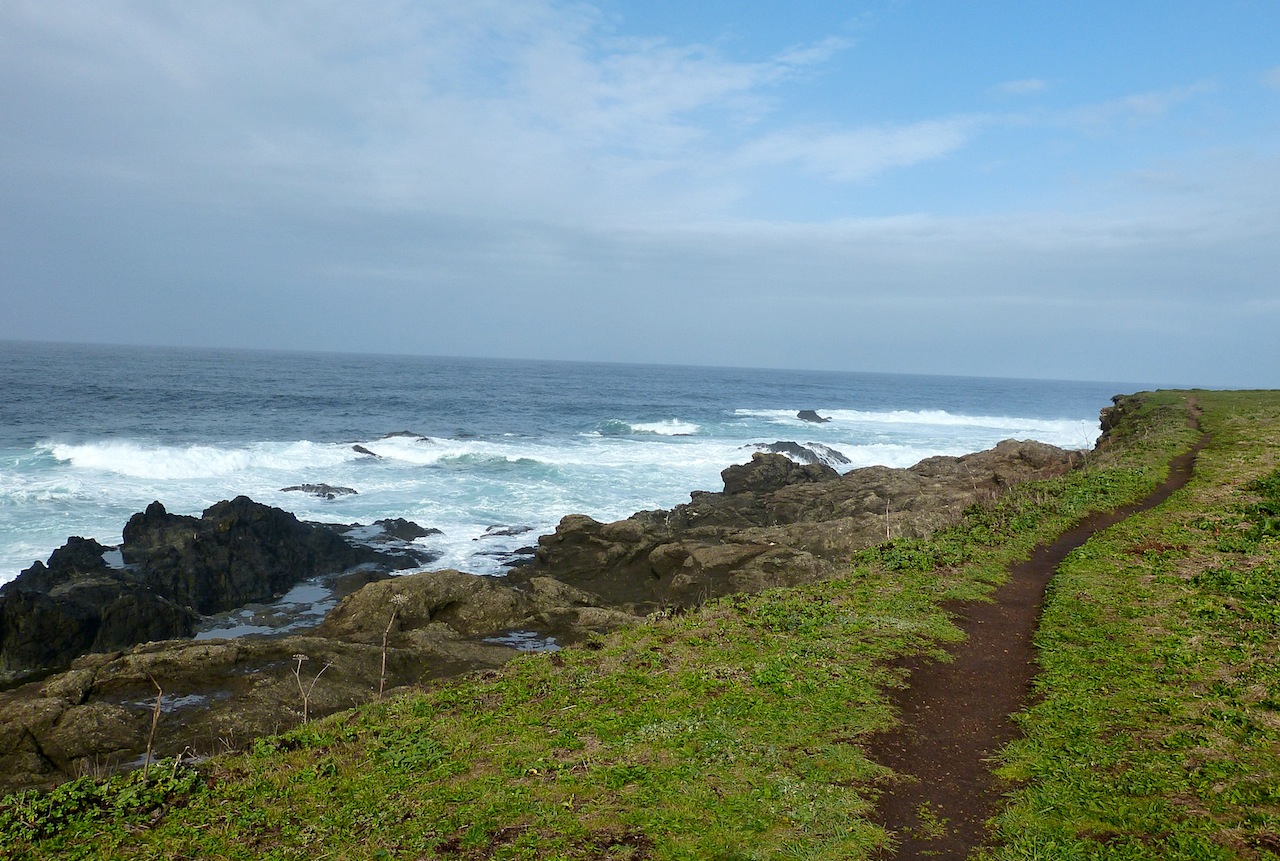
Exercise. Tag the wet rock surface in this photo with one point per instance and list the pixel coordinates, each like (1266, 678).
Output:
(176, 569)
(324, 491)
(776, 523)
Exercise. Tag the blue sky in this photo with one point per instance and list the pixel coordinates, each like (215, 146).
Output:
(1083, 190)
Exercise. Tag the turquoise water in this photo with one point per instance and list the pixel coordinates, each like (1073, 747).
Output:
(91, 434)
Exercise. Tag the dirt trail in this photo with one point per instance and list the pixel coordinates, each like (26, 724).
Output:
(956, 715)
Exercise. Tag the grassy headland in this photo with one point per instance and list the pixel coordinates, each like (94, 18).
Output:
(736, 731)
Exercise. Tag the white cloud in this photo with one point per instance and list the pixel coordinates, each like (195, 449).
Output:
(857, 154)
(1025, 87)
(532, 109)
(1136, 108)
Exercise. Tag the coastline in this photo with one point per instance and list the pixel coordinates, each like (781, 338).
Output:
(777, 523)
(746, 722)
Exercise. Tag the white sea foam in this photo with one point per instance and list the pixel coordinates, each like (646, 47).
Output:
(167, 463)
(670, 427)
(1067, 433)
(460, 486)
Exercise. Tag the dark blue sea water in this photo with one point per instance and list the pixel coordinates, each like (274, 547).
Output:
(91, 434)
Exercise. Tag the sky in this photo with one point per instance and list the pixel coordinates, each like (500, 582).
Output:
(1085, 189)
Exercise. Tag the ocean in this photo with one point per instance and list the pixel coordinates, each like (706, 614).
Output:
(490, 452)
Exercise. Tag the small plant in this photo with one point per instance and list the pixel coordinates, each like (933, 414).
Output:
(397, 601)
(155, 720)
(123, 799)
(305, 691)
(929, 825)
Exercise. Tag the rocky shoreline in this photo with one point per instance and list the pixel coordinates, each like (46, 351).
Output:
(91, 639)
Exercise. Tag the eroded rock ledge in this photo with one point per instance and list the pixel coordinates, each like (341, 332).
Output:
(776, 523)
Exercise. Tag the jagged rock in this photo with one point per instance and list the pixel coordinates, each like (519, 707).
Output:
(808, 453)
(238, 551)
(827, 454)
(76, 604)
(504, 532)
(767, 473)
(776, 523)
(178, 569)
(359, 449)
(811, 416)
(324, 491)
(405, 530)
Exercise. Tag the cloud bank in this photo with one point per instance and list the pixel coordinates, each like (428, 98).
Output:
(533, 180)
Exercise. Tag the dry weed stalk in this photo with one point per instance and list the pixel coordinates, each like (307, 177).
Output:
(155, 720)
(397, 601)
(306, 691)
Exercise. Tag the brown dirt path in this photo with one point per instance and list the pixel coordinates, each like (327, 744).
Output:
(956, 715)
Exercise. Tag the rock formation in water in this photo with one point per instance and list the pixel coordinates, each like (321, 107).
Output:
(177, 569)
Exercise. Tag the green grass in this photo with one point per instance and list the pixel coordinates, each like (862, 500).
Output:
(1157, 733)
(735, 732)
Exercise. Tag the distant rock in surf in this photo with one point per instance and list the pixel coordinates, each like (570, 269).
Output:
(811, 416)
(504, 531)
(812, 452)
(405, 530)
(405, 434)
(359, 449)
(324, 491)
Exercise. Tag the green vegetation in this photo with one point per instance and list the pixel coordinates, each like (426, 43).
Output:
(1157, 734)
(735, 732)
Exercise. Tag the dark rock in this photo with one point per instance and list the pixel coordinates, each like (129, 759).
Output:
(178, 569)
(405, 530)
(76, 604)
(238, 551)
(504, 532)
(324, 491)
(359, 449)
(393, 539)
(767, 473)
(811, 416)
(828, 455)
(812, 452)
(407, 434)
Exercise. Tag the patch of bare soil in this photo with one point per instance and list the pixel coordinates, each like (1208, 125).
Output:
(956, 715)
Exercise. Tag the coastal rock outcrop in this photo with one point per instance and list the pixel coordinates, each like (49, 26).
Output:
(77, 603)
(236, 552)
(777, 523)
(177, 569)
(811, 452)
(811, 416)
(218, 695)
